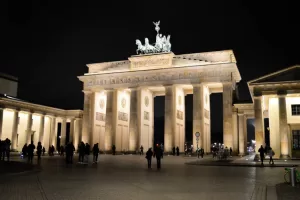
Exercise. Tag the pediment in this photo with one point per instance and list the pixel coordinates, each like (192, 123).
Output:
(290, 74)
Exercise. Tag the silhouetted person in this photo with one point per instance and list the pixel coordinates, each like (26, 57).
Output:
(87, 152)
(62, 150)
(173, 151)
(69, 152)
(230, 151)
(2, 150)
(141, 150)
(271, 154)
(177, 151)
(95, 152)
(158, 155)
(24, 150)
(114, 149)
(7, 148)
(81, 152)
(162, 150)
(43, 150)
(261, 151)
(30, 151)
(202, 152)
(149, 155)
(39, 150)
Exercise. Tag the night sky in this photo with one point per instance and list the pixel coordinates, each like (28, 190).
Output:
(47, 45)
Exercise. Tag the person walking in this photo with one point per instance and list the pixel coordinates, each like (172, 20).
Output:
(39, 150)
(271, 154)
(261, 151)
(141, 150)
(149, 155)
(81, 152)
(230, 152)
(95, 152)
(30, 152)
(158, 155)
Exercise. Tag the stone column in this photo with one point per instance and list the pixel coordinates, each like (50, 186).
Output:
(241, 134)
(169, 132)
(1, 121)
(133, 125)
(72, 127)
(235, 148)
(63, 133)
(227, 115)
(42, 125)
(283, 126)
(77, 134)
(198, 112)
(109, 120)
(259, 123)
(14, 142)
(29, 127)
(245, 134)
(86, 127)
(53, 131)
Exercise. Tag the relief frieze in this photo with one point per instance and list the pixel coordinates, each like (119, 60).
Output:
(122, 116)
(100, 116)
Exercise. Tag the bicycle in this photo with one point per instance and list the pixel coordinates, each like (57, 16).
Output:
(287, 175)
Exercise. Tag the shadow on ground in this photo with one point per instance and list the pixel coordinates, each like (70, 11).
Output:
(286, 192)
(11, 167)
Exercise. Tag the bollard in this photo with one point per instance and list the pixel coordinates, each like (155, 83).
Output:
(293, 176)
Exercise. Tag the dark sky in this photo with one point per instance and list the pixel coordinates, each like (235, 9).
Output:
(48, 44)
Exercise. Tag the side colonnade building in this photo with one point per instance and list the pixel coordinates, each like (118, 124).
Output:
(23, 122)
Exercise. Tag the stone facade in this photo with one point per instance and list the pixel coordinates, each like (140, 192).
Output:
(135, 83)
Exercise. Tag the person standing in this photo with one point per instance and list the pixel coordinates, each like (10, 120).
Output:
(261, 151)
(7, 148)
(39, 150)
(81, 152)
(177, 151)
(30, 152)
(173, 151)
(271, 154)
(114, 149)
(44, 150)
(95, 152)
(158, 155)
(149, 155)
(141, 150)
(230, 151)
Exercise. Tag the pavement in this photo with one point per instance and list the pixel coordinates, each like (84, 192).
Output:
(127, 177)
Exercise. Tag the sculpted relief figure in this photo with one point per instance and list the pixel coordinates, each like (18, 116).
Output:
(162, 43)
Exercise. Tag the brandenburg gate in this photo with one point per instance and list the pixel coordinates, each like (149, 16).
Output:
(119, 97)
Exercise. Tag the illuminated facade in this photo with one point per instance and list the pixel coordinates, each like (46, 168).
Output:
(119, 98)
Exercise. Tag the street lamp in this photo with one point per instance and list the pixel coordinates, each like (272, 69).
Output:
(197, 134)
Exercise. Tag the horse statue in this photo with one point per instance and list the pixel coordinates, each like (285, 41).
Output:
(166, 44)
(149, 47)
(145, 49)
(140, 48)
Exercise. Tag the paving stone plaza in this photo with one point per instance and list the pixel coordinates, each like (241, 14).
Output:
(127, 177)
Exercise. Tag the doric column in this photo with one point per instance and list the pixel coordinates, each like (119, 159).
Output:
(53, 132)
(169, 132)
(235, 136)
(241, 134)
(198, 112)
(109, 120)
(245, 134)
(86, 123)
(14, 134)
(77, 133)
(1, 121)
(227, 115)
(133, 125)
(63, 133)
(259, 123)
(72, 127)
(29, 127)
(283, 126)
(42, 125)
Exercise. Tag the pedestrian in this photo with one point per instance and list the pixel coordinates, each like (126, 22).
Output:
(95, 152)
(24, 150)
(81, 152)
(30, 151)
(7, 148)
(202, 152)
(162, 150)
(173, 151)
(198, 152)
(141, 150)
(39, 150)
(261, 151)
(87, 153)
(271, 154)
(114, 149)
(230, 151)
(158, 155)
(177, 150)
(44, 150)
(149, 155)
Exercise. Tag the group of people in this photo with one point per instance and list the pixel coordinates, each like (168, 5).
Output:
(28, 151)
(157, 153)
(266, 151)
(177, 151)
(5, 149)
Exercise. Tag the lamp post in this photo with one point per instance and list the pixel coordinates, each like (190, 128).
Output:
(197, 134)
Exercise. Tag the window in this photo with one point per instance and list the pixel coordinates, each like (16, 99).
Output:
(296, 139)
(296, 109)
